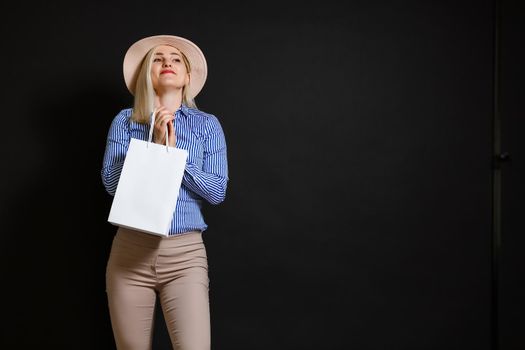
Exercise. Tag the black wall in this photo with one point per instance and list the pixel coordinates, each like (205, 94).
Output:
(511, 261)
(360, 202)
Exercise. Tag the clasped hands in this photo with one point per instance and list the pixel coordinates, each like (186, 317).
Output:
(164, 118)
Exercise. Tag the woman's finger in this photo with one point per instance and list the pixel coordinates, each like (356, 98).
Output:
(162, 115)
(158, 111)
(171, 135)
(163, 121)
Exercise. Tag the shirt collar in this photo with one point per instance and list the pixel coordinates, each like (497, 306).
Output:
(182, 110)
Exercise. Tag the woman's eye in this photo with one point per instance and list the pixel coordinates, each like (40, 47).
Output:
(176, 59)
(156, 60)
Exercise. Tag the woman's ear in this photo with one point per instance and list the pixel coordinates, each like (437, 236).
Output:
(187, 82)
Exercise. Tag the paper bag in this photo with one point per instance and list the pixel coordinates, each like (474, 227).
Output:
(149, 186)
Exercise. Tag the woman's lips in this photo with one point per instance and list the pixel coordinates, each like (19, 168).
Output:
(167, 71)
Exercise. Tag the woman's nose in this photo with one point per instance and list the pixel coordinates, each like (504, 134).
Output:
(167, 64)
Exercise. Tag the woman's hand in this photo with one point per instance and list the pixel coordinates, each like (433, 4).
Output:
(164, 118)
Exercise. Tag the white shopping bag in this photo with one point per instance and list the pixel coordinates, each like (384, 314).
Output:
(149, 186)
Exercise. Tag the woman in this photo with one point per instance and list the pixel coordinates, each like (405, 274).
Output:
(165, 73)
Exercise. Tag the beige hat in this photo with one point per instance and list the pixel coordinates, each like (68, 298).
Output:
(137, 52)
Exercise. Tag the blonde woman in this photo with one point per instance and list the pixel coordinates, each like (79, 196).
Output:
(165, 73)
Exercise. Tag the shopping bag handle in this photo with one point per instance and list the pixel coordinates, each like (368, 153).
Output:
(151, 126)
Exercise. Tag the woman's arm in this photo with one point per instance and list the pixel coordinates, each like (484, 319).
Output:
(116, 147)
(210, 182)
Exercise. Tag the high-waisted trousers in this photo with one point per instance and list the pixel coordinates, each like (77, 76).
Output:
(142, 265)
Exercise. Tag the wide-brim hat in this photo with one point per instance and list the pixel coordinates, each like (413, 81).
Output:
(136, 53)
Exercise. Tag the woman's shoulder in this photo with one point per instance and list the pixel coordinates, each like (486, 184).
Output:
(202, 122)
(197, 113)
(121, 121)
(201, 117)
(124, 113)
(123, 116)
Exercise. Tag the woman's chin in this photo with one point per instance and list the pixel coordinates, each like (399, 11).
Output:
(167, 87)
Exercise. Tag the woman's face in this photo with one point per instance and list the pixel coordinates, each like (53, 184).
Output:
(168, 70)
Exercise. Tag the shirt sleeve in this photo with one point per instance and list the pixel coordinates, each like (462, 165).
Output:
(116, 147)
(210, 182)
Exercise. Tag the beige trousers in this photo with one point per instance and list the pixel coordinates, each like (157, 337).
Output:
(141, 265)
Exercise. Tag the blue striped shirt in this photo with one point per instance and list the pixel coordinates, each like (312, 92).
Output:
(206, 173)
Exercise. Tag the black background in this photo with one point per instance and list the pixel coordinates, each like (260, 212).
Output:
(360, 140)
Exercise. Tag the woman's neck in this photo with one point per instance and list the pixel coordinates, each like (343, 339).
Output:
(170, 99)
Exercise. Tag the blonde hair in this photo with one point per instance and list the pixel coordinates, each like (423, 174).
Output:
(144, 101)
